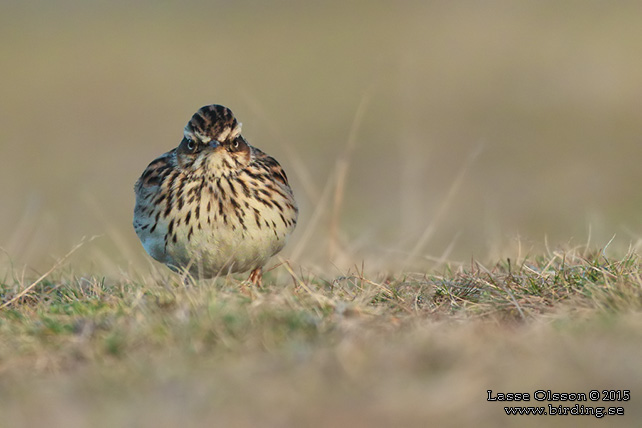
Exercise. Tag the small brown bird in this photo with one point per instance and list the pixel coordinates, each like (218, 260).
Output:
(215, 204)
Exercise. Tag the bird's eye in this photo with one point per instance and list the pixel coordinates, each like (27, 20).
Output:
(235, 144)
(191, 145)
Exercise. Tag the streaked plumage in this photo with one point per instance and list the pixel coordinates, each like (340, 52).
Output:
(214, 204)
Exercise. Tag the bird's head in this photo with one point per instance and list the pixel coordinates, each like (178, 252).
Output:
(213, 142)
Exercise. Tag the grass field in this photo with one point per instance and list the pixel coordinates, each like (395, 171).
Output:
(467, 175)
(317, 350)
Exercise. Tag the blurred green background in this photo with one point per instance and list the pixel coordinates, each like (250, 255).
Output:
(482, 125)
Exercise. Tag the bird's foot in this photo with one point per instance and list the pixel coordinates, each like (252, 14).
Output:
(256, 277)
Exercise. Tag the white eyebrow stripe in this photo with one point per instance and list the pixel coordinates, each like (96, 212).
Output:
(224, 135)
(237, 130)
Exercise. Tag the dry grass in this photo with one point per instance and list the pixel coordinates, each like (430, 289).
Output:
(317, 350)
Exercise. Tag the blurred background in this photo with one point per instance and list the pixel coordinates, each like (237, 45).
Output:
(411, 131)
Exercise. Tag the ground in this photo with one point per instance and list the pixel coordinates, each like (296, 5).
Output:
(387, 350)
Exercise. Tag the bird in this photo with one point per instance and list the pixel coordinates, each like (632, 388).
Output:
(214, 204)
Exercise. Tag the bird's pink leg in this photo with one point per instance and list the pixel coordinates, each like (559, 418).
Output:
(256, 277)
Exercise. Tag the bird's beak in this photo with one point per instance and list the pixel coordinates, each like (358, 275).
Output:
(214, 144)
